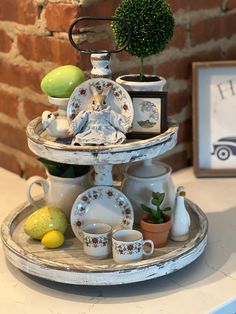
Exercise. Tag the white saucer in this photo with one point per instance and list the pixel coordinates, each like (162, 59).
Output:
(118, 99)
(101, 204)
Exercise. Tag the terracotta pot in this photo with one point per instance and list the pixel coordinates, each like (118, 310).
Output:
(158, 233)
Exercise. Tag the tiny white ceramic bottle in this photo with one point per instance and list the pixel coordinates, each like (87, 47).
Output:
(181, 219)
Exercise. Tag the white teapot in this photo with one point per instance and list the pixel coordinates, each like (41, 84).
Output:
(143, 178)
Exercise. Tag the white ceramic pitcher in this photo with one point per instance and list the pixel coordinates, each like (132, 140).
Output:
(143, 178)
(59, 192)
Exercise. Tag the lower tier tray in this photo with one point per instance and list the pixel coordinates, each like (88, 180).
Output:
(69, 264)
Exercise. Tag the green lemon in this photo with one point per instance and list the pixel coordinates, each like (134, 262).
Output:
(53, 239)
(61, 81)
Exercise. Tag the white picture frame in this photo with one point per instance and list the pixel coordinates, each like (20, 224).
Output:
(214, 118)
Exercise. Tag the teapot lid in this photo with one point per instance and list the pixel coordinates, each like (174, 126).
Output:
(148, 169)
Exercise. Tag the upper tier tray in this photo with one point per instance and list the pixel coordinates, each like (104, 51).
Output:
(45, 146)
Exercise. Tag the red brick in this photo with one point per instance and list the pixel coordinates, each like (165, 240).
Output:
(231, 53)
(23, 12)
(181, 68)
(10, 162)
(213, 29)
(122, 56)
(185, 131)
(8, 104)
(177, 101)
(59, 16)
(84, 62)
(6, 41)
(20, 76)
(193, 5)
(33, 110)
(105, 8)
(101, 44)
(47, 48)
(13, 137)
(177, 160)
(231, 4)
(179, 38)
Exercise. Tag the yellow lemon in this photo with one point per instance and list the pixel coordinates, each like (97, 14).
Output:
(53, 239)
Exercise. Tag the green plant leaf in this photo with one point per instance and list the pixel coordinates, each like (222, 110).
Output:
(156, 202)
(68, 173)
(146, 209)
(161, 221)
(166, 209)
(155, 195)
(64, 170)
(156, 213)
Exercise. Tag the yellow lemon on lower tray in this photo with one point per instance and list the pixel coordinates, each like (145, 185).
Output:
(53, 239)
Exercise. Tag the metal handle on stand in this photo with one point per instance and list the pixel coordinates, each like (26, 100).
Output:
(92, 18)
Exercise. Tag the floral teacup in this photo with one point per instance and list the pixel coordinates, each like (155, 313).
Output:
(128, 246)
(97, 240)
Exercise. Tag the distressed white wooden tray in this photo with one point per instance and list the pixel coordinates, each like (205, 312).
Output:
(133, 150)
(68, 264)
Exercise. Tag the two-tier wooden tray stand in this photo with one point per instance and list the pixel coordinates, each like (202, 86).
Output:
(68, 264)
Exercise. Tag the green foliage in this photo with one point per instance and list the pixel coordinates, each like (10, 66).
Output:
(151, 23)
(64, 170)
(157, 216)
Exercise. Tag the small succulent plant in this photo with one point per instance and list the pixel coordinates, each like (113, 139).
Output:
(156, 215)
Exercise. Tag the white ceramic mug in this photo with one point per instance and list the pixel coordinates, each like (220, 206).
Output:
(97, 240)
(59, 192)
(128, 246)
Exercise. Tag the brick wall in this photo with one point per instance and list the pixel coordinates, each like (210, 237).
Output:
(34, 40)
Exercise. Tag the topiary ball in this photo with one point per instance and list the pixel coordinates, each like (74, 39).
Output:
(151, 23)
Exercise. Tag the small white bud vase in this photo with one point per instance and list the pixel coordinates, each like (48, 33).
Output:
(181, 219)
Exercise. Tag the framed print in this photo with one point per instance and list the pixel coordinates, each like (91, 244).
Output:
(214, 118)
(150, 113)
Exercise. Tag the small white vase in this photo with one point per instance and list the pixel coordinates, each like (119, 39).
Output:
(181, 219)
(134, 86)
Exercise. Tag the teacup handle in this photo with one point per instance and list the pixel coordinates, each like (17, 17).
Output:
(151, 248)
(35, 180)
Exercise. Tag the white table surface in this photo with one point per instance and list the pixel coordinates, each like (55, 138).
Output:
(198, 288)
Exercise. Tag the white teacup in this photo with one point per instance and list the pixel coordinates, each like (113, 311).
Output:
(97, 240)
(128, 246)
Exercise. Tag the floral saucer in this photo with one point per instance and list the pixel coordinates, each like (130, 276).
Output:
(101, 204)
(118, 98)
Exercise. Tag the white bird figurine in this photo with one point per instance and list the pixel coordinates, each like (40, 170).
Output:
(56, 126)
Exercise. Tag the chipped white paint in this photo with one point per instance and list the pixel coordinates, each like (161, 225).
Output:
(133, 150)
(69, 264)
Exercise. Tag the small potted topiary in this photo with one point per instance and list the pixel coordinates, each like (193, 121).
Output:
(156, 224)
(152, 26)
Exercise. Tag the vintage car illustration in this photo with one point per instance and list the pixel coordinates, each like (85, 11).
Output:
(225, 147)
